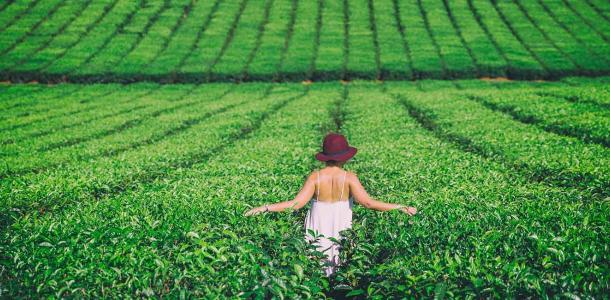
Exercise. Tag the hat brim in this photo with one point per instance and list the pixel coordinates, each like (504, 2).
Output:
(351, 151)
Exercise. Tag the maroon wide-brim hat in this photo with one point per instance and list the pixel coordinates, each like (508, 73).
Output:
(335, 147)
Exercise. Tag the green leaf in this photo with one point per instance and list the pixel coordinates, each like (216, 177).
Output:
(299, 270)
(192, 234)
(439, 290)
(355, 293)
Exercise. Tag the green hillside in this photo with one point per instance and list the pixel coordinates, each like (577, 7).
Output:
(280, 40)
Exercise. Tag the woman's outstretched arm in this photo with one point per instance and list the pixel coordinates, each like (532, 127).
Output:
(362, 197)
(299, 200)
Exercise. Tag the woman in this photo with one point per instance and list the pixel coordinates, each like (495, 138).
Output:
(330, 213)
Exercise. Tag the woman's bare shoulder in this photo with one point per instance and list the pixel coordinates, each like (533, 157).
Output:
(351, 176)
(312, 175)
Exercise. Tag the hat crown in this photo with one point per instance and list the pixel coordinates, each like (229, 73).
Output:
(334, 143)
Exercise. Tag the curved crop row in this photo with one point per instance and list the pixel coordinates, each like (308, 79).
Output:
(5, 5)
(328, 55)
(26, 118)
(292, 13)
(373, 26)
(176, 50)
(547, 35)
(98, 114)
(574, 36)
(398, 24)
(34, 66)
(18, 15)
(15, 96)
(594, 96)
(214, 41)
(581, 121)
(112, 34)
(346, 22)
(129, 35)
(39, 103)
(73, 15)
(487, 32)
(598, 10)
(458, 32)
(542, 156)
(180, 20)
(520, 38)
(250, 29)
(426, 23)
(299, 53)
(227, 41)
(458, 63)
(316, 42)
(131, 54)
(259, 38)
(362, 53)
(587, 21)
(111, 128)
(30, 29)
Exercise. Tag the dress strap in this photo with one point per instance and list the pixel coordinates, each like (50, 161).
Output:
(318, 187)
(342, 186)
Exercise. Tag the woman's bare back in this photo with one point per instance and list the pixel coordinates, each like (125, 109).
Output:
(332, 185)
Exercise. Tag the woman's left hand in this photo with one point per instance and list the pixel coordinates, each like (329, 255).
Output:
(411, 211)
(255, 211)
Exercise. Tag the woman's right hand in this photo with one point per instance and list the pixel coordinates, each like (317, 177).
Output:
(409, 210)
(255, 211)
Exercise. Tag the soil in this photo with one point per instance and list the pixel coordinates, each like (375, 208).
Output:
(495, 78)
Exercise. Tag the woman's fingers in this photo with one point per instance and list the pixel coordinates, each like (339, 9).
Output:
(254, 211)
(409, 210)
(412, 210)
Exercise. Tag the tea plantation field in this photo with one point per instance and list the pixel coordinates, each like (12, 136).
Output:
(135, 134)
(111, 190)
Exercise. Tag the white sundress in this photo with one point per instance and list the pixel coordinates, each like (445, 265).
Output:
(328, 219)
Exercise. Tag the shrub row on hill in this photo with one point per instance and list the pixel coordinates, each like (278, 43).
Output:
(193, 42)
